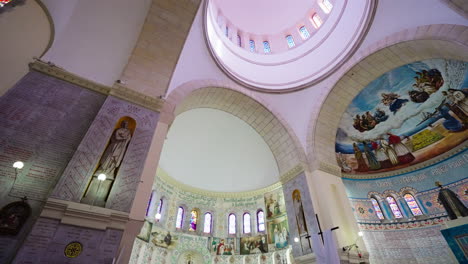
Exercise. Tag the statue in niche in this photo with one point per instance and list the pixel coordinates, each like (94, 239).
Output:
(109, 164)
(299, 210)
(449, 200)
(13, 216)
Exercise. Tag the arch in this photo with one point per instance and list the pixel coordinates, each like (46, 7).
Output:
(159, 210)
(246, 223)
(377, 208)
(459, 6)
(180, 217)
(244, 104)
(207, 223)
(392, 202)
(194, 219)
(149, 203)
(232, 225)
(260, 221)
(415, 44)
(412, 204)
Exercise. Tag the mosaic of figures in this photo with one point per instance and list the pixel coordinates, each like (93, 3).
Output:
(277, 221)
(406, 116)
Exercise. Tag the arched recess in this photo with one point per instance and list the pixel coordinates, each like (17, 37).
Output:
(415, 44)
(27, 31)
(243, 104)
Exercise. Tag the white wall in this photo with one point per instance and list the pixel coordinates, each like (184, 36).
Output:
(25, 33)
(95, 39)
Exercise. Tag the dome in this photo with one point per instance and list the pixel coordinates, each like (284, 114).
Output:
(276, 46)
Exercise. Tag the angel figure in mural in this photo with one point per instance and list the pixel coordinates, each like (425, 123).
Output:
(393, 101)
(109, 163)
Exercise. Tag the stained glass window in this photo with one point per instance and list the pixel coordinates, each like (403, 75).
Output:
(326, 6)
(239, 41)
(377, 208)
(316, 21)
(246, 223)
(180, 217)
(159, 210)
(207, 223)
(304, 32)
(394, 207)
(150, 199)
(266, 47)
(290, 41)
(260, 221)
(252, 45)
(226, 31)
(412, 204)
(193, 220)
(232, 224)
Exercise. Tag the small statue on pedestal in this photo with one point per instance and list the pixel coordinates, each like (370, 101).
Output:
(450, 201)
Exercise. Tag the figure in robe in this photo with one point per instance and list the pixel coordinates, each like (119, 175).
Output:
(390, 152)
(98, 191)
(381, 155)
(373, 163)
(458, 104)
(449, 200)
(393, 101)
(402, 152)
(342, 161)
(362, 166)
(299, 210)
(220, 249)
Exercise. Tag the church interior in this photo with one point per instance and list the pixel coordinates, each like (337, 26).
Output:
(234, 132)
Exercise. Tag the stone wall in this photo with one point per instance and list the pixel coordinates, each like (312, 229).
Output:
(43, 121)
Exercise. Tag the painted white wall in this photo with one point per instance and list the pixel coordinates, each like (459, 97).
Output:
(95, 39)
(25, 33)
(195, 62)
(213, 150)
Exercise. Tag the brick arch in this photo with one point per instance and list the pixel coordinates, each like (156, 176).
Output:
(245, 105)
(415, 44)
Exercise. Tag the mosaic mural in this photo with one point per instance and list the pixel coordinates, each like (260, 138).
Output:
(406, 116)
(277, 220)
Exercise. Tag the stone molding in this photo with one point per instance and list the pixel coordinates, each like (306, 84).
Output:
(84, 215)
(330, 168)
(118, 90)
(164, 176)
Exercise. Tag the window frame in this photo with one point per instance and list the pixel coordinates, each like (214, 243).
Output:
(181, 218)
(229, 224)
(249, 224)
(394, 209)
(377, 204)
(415, 201)
(258, 222)
(211, 223)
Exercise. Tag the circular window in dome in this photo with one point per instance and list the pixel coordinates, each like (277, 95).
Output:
(280, 46)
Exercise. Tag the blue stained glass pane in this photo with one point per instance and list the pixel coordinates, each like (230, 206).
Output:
(412, 204)
(376, 206)
(226, 31)
(252, 45)
(396, 211)
(304, 32)
(193, 220)
(266, 47)
(290, 41)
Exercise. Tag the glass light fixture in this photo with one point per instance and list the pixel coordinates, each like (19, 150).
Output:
(101, 177)
(18, 165)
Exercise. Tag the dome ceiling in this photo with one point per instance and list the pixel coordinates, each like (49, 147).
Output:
(278, 46)
(264, 16)
(216, 151)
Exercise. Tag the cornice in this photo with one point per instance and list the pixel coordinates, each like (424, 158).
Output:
(330, 168)
(84, 215)
(291, 174)
(118, 90)
(164, 176)
(415, 167)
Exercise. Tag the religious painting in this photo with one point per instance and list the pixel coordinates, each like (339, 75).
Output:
(222, 246)
(253, 245)
(104, 176)
(13, 216)
(406, 116)
(163, 238)
(278, 232)
(274, 204)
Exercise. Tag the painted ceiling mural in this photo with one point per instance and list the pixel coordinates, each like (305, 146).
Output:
(406, 116)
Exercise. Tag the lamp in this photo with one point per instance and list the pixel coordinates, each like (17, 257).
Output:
(296, 239)
(101, 177)
(360, 233)
(18, 165)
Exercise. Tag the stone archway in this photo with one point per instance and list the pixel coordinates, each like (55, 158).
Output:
(420, 43)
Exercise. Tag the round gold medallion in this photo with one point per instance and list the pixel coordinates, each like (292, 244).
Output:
(73, 249)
